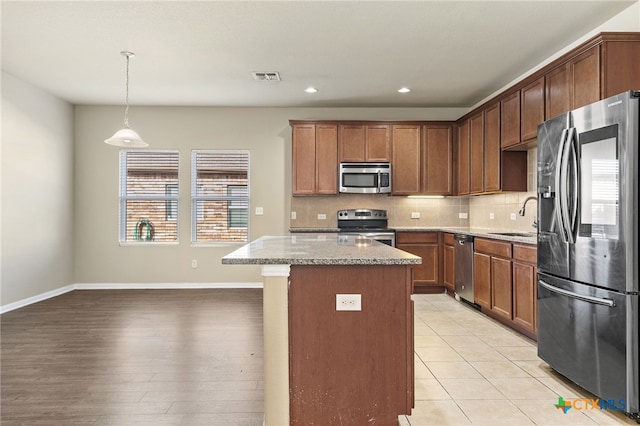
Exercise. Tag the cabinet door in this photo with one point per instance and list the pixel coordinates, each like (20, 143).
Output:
(351, 138)
(437, 160)
(585, 76)
(531, 109)
(378, 142)
(557, 91)
(621, 67)
(463, 158)
(304, 158)
(492, 148)
(406, 161)
(524, 295)
(326, 159)
(482, 279)
(425, 274)
(510, 120)
(449, 267)
(501, 287)
(476, 154)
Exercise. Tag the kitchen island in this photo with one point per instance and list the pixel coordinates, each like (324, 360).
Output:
(338, 329)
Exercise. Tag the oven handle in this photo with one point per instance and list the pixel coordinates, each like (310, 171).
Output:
(597, 300)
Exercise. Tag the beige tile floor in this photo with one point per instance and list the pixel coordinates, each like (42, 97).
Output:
(470, 369)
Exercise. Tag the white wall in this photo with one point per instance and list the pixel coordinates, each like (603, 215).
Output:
(37, 192)
(265, 132)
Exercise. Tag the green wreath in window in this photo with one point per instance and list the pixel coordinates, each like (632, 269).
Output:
(144, 230)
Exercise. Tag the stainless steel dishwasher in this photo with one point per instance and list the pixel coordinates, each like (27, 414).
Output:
(464, 267)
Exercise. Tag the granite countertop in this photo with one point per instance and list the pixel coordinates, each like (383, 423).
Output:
(318, 249)
(496, 234)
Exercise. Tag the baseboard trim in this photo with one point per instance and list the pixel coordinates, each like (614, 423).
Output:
(121, 286)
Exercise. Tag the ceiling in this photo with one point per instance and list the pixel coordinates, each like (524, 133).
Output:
(357, 53)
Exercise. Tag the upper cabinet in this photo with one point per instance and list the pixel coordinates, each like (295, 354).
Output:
(574, 83)
(315, 158)
(364, 142)
(531, 110)
(492, 148)
(463, 152)
(437, 159)
(422, 156)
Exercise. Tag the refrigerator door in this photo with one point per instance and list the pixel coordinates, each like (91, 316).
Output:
(606, 139)
(553, 254)
(587, 184)
(590, 336)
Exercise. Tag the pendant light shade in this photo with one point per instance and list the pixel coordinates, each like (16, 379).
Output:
(127, 137)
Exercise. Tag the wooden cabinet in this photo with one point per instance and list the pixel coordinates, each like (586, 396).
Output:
(425, 245)
(493, 282)
(482, 279)
(364, 142)
(406, 159)
(492, 148)
(531, 110)
(525, 286)
(438, 159)
(448, 262)
(505, 282)
(422, 159)
(573, 84)
(463, 153)
(510, 120)
(315, 159)
(476, 153)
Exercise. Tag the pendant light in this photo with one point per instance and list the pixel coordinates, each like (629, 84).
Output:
(127, 137)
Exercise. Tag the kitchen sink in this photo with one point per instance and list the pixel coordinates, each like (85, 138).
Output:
(515, 234)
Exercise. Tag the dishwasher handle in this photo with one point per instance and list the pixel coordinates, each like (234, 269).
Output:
(463, 238)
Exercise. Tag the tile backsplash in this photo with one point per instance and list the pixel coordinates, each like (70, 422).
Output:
(498, 211)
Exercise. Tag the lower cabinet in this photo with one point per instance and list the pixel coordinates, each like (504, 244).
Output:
(525, 289)
(448, 262)
(425, 245)
(505, 282)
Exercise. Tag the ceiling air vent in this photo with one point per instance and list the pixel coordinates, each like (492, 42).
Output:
(266, 76)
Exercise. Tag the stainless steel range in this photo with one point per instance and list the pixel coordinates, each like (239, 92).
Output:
(370, 223)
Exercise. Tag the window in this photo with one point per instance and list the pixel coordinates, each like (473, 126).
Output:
(220, 196)
(148, 196)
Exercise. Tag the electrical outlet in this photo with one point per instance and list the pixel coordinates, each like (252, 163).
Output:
(348, 302)
(492, 216)
(293, 215)
(322, 216)
(194, 263)
(415, 215)
(259, 211)
(513, 216)
(463, 215)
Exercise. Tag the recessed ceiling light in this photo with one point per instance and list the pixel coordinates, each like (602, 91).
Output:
(404, 90)
(311, 89)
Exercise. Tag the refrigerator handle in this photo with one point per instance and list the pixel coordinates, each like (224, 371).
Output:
(597, 300)
(560, 196)
(573, 208)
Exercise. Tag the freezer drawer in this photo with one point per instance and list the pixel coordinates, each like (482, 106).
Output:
(590, 336)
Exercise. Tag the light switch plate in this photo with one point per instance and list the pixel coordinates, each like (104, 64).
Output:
(415, 215)
(463, 216)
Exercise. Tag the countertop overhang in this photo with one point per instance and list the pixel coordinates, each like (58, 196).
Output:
(318, 249)
(494, 233)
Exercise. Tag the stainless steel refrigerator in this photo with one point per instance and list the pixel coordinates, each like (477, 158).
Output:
(588, 248)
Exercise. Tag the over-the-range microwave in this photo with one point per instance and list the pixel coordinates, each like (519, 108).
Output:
(365, 178)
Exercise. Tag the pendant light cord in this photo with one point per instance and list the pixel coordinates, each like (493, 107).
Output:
(126, 97)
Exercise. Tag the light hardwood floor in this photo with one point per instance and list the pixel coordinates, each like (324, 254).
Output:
(194, 357)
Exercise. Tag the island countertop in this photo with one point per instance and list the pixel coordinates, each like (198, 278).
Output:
(318, 249)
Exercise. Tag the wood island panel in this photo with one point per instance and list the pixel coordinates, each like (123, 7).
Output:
(350, 367)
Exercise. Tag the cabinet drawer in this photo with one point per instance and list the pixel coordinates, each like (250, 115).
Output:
(525, 253)
(417, 237)
(493, 247)
(448, 239)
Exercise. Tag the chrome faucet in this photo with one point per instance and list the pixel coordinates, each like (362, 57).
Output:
(523, 211)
